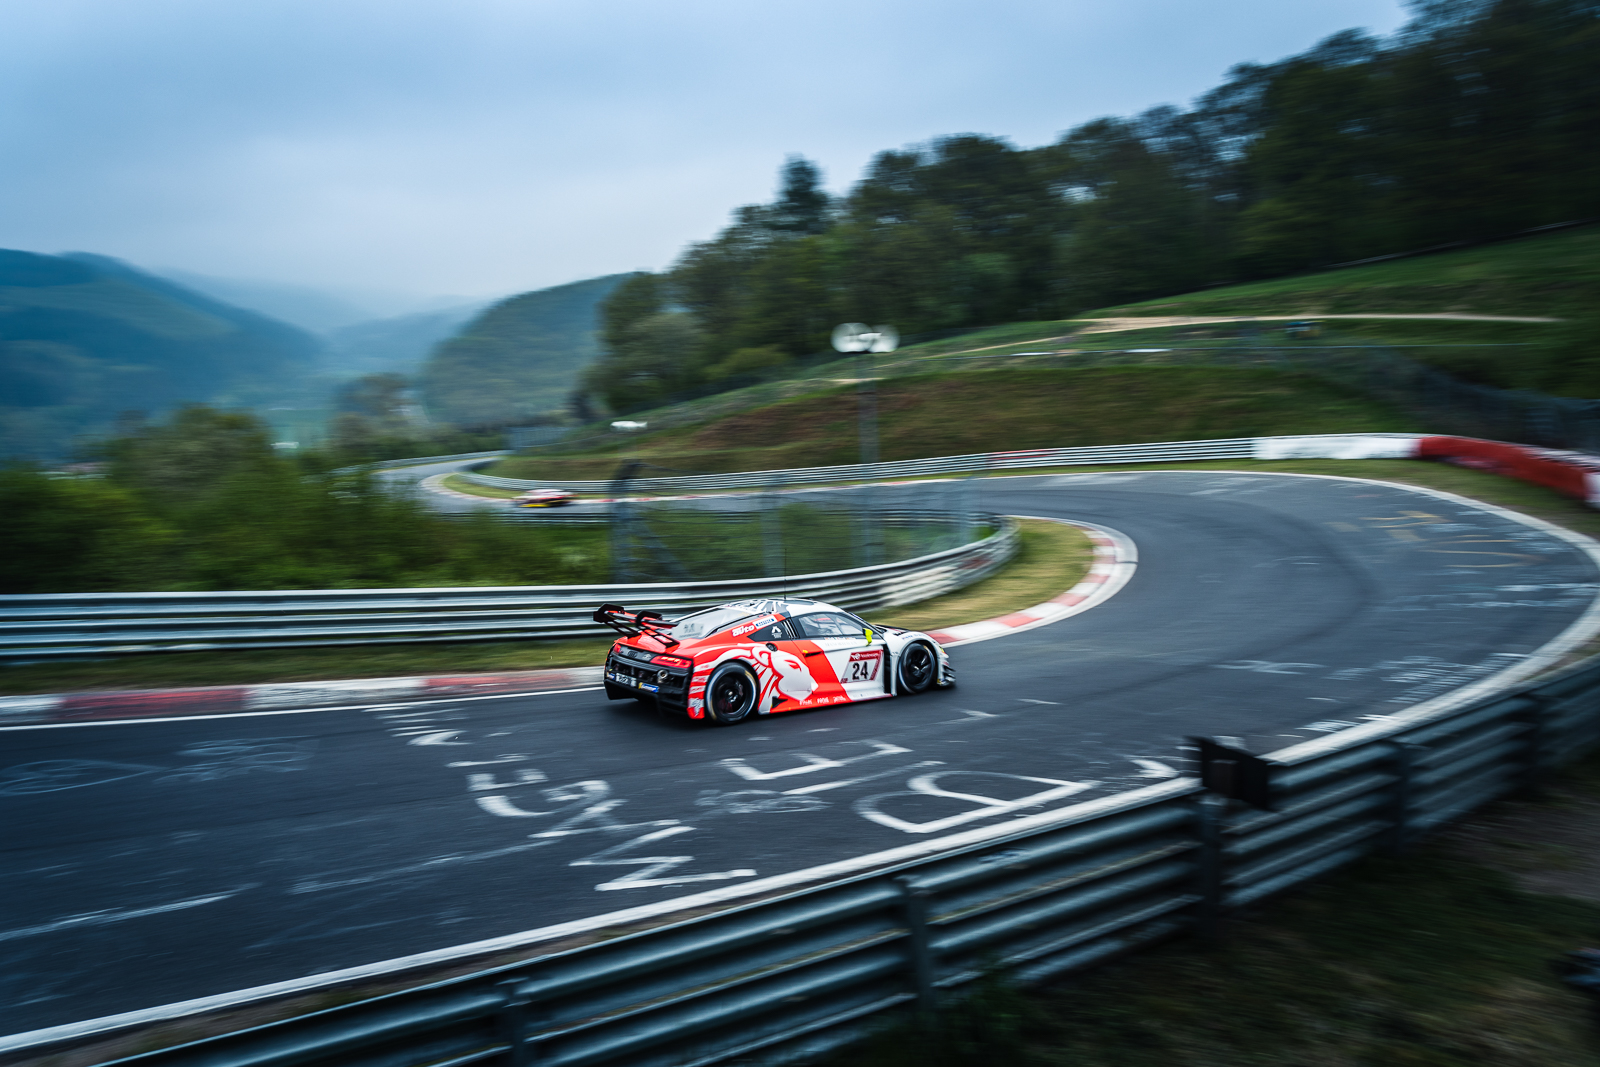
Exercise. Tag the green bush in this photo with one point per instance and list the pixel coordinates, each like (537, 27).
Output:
(203, 502)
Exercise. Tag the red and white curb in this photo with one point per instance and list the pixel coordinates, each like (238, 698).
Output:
(56, 708)
(1115, 559)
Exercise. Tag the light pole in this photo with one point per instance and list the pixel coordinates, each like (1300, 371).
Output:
(859, 339)
(854, 337)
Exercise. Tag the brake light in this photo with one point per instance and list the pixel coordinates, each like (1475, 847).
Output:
(672, 661)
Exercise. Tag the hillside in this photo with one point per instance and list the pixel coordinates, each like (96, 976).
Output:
(85, 338)
(520, 357)
(953, 414)
(1555, 274)
(397, 345)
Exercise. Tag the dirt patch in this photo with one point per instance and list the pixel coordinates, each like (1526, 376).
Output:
(1549, 845)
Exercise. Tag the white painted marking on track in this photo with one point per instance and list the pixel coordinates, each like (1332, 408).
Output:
(502, 805)
(483, 781)
(822, 787)
(927, 785)
(811, 763)
(486, 762)
(1151, 768)
(971, 716)
(101, 918)
(415, 868)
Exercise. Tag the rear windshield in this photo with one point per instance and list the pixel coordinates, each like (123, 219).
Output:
(705, 623)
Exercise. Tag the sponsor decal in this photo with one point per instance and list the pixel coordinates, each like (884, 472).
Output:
(783, 674)
(754, 624)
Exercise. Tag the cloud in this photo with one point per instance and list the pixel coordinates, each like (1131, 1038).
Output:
(487, 146)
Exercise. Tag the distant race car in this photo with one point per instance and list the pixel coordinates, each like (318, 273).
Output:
(760, 657)
(544, 498)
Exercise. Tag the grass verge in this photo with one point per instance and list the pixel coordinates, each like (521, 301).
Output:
(1440, 959)
(1549, 275)
(985, 411)
(1051, 559)
(461, 485)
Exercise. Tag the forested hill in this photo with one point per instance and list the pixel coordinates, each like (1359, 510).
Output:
(521, 357)
(1479, 119)
(85, 339)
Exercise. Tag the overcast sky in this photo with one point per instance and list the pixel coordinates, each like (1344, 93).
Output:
(476, 148)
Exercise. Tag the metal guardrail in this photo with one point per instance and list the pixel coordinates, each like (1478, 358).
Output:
(395, 464)
(1158, 452)
(67, 624)
(791, 977)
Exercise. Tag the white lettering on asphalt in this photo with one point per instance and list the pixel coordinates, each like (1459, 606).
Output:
(480, 782)
(988, 807)
(812, 763)
(1261, 666)
(101, 918)
(1151, 768)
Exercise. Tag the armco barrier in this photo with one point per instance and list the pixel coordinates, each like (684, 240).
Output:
(67, 624)
(1050, 894)
(1166, 452)
(1575, 474)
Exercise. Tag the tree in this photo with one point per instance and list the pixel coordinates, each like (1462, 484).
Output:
(802, 207)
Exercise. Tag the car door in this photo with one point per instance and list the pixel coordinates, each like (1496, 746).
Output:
(787, 680)
(856, 657)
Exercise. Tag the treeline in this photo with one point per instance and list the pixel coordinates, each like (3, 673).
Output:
(202, 501)
(1480, 118)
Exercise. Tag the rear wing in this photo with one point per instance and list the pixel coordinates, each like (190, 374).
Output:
(634, 623)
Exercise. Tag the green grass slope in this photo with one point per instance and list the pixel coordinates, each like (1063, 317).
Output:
(1555, 274)
(951, 414)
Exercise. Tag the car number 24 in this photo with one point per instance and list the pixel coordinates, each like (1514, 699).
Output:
(864, 666)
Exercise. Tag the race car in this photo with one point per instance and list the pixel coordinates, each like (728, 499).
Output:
(544, 498)
(763, 657)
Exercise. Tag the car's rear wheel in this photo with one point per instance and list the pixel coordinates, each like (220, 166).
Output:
(731, 693)
(918, 668)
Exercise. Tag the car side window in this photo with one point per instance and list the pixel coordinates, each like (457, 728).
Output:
(829, 624)
(776, 632)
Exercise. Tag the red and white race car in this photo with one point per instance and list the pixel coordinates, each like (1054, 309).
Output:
(759, 657)
(544, 498)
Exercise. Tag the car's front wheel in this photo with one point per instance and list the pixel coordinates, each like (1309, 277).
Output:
(918, 668)
(731, 693)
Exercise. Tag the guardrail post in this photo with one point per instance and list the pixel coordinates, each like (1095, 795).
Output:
(914, 906)
(1404, 760)
(1208, 812)
(512, 1023)
(1530, 776)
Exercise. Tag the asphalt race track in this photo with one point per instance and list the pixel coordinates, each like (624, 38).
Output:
(153, 862)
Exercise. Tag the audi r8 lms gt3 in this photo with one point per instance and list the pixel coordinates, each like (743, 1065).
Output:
(760, 657)
(543, 498)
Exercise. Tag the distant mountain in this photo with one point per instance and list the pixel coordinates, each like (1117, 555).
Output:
(520, 357)
(84, 338)
(398, 345)
(299, 305)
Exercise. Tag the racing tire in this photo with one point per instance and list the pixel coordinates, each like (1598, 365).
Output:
(918, 669)
(731, 694)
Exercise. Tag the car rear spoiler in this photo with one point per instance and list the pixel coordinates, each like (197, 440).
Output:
(634, 623)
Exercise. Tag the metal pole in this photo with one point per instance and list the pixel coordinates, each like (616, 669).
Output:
(772, 529)
(914, 907)
(1404, 763)
(513, 1024)
(1209, 809)
(866, 408)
